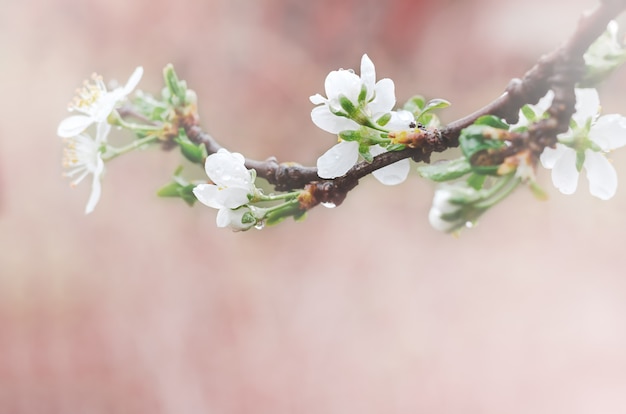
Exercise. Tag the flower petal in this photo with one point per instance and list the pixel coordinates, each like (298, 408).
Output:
(564, 173)
(550, 156)
(74, 125)
(609, 132)
(133, 80)
(317, 99)
(207, 194)
(228, 169)
(392, 174)
(368, 75)
(587, 105)
(338, 160)
(342, 82)
(385, 98)
(329, 122)
(96, 186)
(400, 120)
(601, 175)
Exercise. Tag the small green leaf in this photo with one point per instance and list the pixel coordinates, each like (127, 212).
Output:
(349, 135)
(347, 105)
(195, 153)
(492, 121)
(436, 104)
(528, 113)
(445, 170)
(476, 181)
(415, 104)
(178, 188)
(169, 190)
(383, 120)
(364, 150)
(177, 88)
(362, 94)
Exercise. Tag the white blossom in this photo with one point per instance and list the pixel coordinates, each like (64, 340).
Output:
(379, 99)
(584, 147)
(83, 156)
(239, 219)
(233, 183)
(443, 213)
(338, 160)
(95, 104)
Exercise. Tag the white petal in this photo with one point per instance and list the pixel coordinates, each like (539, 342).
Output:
(342, 82)
(609, 132)
(133, 80)
(601, 175)
(587, 105)
(317, 99)
(550, 156)
(233, 197)
(227, 169)
(368, 75)
(102, 132)
(385, 98)
(392, 174)
(338, 160)
(96, 187)
(400, 120)
(207, 194)
(74, 125)
(564, 173)
(438, 223)
(329, 122)
(232, 218)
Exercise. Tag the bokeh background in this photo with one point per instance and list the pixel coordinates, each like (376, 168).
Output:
(145, 306)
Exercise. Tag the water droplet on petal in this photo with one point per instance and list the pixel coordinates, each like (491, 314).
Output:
(259, 225)
(329, 205)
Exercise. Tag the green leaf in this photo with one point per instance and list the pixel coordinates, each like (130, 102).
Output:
(383, 120)
(169, 190)
(474, 144)
(476, 181)
(195, 153)
(529, 113)
(176, 87)
(445, 170)
(362, 94)
(364, 150)
(347, 105)
(415, 104)
(176, 190)
(492, 121)
(436, 104)
(349, 135)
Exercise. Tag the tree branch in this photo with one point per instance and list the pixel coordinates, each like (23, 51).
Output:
(559, 71)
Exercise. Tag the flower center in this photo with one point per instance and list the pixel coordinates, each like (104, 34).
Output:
(89, 94)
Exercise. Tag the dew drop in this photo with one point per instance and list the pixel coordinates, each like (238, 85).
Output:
(259, 225)
(329, 205)
(469, 224)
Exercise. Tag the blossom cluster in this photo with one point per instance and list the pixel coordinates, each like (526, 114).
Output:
(359, 104)
(83, 154)
(231, 191)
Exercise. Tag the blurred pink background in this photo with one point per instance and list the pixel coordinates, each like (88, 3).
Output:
(146, 307)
